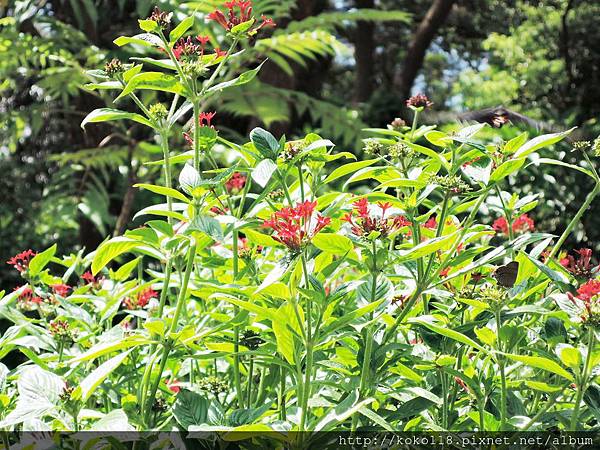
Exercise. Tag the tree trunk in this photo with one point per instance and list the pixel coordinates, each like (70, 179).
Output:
(434, 18)
(364, 48)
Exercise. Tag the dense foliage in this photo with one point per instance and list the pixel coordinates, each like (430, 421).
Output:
(285, 285)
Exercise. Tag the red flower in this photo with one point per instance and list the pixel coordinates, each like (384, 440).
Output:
(27, 298)
(61, 289)
(21, 261)
(588, 295)
(236, 183)
(243, 14)
(444, 272)
(431, 223)
(419, 101)
(203, 40)
(205, 118)
(580, 267)
(500, 225)
(219, 53)
(522, 224)
(295, 227)
(173, 385)
(363, 222)
(88, 277)
(141, 300)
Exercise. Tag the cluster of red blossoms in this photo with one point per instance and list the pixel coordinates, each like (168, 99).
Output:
(27, 299)
(21, 261)
(186, 48)
(61, 289)
(588, 294)
(522, 224)
(580, 267)
(204, 120)
(236, 183)
(233, 17)
(295, 227)
(141, 300)
(363, 223)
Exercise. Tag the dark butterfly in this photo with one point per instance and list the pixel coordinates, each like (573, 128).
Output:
(507, 275)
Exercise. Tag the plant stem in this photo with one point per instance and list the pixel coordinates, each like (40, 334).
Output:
(500, 360)
(563, 237)
(582, 385)
(196, 125)
(164, 144)
(366, 364)
(309, 350)
(236, 330)
(281, 400)
(168, 344)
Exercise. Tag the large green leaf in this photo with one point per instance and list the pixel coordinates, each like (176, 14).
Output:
(539, 362)
(39, 261)
(112, 248)
(89, 384)
(156, 81)
(332, 243)
(108, 114)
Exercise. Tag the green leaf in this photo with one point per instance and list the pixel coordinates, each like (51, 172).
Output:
(540, 362)
(208, 225)
(108, 114)
(263, 171)
(427, 247)
(147, 25)
(125, 270)
(89, 384)
(570, 356)
(109, 250)
(180, 29)
(244, 78)
(103, 348)
(265, 143)
(269, 313)
(39, 261)
(156, 81)
(116, 420)
(285, 322)
(144, 39)
(506, 168)
(538, 142)
(348, 168)
(455, 335)
(190, 408)
(332, 243)
(162, 190)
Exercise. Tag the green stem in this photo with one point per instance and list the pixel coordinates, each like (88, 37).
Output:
(414, 125)
(236, 330)
(196, 125)
(563, 237)
(500, 360)
(281, 400)
(366, 365)
(306, 385)
(582, 385)
(164, 143)
(168, 344)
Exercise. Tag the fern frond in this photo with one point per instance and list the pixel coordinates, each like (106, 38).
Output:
(331, 20)
(110, 156)
(271, 104)
(299, 47)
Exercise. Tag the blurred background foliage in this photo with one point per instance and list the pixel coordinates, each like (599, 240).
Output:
(335, 66)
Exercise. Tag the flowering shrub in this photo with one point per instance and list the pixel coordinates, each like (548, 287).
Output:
(268, 296)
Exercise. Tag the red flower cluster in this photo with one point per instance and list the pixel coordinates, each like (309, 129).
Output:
(27, 298)
(588, 294)
(61, 289)
(364, 223)
(295, 227)
(173, 385)
(141, 300)
(419, 101)
(243, 14)
(21, 261)
(204, 120)
(236, 183)
(580, 267)
(522, 224)
(90, 279)
(431, 223)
